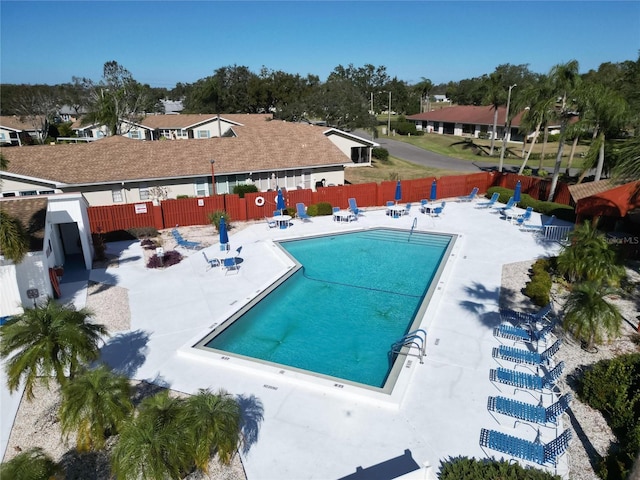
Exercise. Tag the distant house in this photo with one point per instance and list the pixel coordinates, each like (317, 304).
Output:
(172, 106)
(13, 130)
(467, 121)
(441, 98)
(267, 153)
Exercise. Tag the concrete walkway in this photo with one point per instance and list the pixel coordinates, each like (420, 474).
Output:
(296, 427)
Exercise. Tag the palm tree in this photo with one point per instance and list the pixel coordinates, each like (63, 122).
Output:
(95, 404)
(605, 111)
(539, 101)
(14, 241)
(565, 78)
(32, 464)
(495, 96)
(215, 425)
(627, 168)
(52, 339)
(589, 316)
(589, 257)
(157, 444)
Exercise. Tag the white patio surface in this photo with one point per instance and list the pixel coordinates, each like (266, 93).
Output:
(308, 429)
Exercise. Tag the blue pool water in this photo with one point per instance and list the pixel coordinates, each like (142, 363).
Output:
(338, 315)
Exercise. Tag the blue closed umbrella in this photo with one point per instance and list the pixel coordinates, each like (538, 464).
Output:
(516, 192)
(224, 236)
(280, 201)
(434, 189)
(398, 191)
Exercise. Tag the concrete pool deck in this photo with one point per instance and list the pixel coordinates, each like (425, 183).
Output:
(320, 430)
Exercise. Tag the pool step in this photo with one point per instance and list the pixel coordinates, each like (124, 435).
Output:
(416, 238)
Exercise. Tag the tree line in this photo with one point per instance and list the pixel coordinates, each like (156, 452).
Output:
(348, 99)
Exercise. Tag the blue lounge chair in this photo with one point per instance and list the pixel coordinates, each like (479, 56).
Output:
(471, 197)
(353, 206)
(546, 454)
(407, 208)
(519, 318)
(509, 205)
(520, 334)
(301, 211)
(230, 265)
(494, 198)
(529, 412)
(389, 204)
(182, 242)
(518, 355)
(526, 380)
(525, 217)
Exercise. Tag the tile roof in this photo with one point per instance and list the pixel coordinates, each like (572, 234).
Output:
(32, 212)
(15, 123)
(587, 189)
(261, 146)
(476, 115)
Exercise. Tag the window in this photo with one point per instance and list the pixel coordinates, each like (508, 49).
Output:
(46, 192)
(28, 193)
(203, 133)
(202, 188)
(135, 134)
(116, 196)
(9, 194)
(144, 191)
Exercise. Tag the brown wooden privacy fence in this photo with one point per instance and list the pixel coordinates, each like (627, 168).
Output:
(195, 211)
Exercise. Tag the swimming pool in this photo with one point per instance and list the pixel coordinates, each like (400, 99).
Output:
(337, 315)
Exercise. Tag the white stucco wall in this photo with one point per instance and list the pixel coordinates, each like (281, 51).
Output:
(10, 185)
(70, 208)
(33, 272)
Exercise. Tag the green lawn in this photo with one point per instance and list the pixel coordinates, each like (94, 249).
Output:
(393, 169)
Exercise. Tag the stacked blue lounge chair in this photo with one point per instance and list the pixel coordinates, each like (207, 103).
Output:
(182, 242)
(518, 318)
(519, 355)
(542, 454)
(529, 381)
(520, 334)
(529, 412)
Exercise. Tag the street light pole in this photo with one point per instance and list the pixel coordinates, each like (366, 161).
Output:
(504, 134)
(389, 116)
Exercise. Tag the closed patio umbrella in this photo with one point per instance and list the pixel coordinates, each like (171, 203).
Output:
(434, 190)
(224, 236)
(280, 201)
(517, 191)
(398, 191)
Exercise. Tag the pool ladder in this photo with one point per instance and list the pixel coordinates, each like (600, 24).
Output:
(416, 339)
(413, 226)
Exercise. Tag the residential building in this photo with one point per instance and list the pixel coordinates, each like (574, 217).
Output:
(268, 153)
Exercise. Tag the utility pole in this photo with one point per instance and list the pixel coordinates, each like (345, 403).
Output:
(506, 124)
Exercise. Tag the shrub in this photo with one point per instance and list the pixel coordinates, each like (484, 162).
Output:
(489, 469)
(538, 288)
(182, 196)
(148, 244)
(98, 247)
(380, 153)
(242, 189)
(613, 387)
(312, 210)
(143, 232)
(403, 127)
(214, 218)
(527, 172)
(320, 208)
(172, 257)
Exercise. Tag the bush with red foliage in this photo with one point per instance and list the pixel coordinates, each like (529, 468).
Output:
(172, 257)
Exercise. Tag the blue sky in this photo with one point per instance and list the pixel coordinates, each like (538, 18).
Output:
(165, 42)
